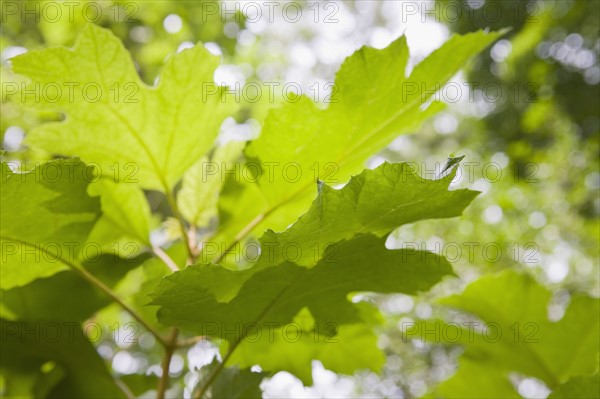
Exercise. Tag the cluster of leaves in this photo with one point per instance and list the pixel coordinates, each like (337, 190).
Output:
(169, 134)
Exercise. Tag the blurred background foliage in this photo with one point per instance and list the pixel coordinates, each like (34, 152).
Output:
(526, 116)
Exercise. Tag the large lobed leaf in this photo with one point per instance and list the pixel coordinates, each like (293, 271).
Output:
(375, 201)
(276, 294)
(374, 101)
(151, 135)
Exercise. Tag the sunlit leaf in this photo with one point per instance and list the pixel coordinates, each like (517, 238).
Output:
(149, 135)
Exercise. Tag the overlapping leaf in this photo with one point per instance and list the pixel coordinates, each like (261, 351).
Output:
(374, 202)
(212, 300)
(46, 217)
(199, 195)
(77, 301)
(276, 294)
(124, 227)
(293, 347)
(151, 135)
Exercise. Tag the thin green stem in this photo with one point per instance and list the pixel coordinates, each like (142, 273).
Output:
(240, 236)
(159, 174)
(94, 281)
(124, 388)
(247, 229)
(215, 373)
(184, 233)
(163, 383)
(162, 255)
(190, 341)
(90, 278)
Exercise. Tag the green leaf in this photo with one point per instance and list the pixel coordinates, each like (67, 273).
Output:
(514, 305)
(141, 282)
(152, 135)
(472, 381)
(125, 215)
(78, 300)
(28, 347)
(293, 347)
(275, 295)
(46, 217)
(198, 198)
(374, 202)
(374, 102)
(238, 200)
